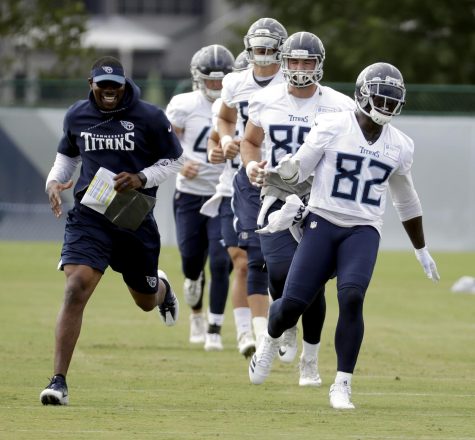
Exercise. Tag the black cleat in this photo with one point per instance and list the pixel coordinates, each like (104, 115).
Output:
(56, 393)
(168, 310)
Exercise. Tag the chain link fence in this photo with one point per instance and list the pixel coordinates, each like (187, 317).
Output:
(421, 98)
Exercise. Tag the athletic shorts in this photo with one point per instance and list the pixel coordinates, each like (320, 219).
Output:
(193, 229)
(92, 240)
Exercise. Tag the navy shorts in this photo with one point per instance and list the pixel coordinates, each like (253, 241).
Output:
(193, 229)
(226, 214)
(246, 203)
(92, 240)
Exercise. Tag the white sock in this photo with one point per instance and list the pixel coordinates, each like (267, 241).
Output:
(242, 320)
(310, 351)
(259, 324)
(215, 319)
(344, 378)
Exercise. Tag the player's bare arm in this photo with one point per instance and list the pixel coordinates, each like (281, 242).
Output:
(227, 119)
(251, 154)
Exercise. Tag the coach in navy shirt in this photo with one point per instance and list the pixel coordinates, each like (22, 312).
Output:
(116, 130)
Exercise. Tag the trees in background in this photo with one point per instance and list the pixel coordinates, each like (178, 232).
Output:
(29, 27)
(431, 41)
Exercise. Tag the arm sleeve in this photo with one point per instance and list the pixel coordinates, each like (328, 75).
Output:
(312, 150)
(63, 168)
(404, 196)
(161, 170)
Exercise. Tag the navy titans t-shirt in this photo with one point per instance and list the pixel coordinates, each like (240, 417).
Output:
(129, 138)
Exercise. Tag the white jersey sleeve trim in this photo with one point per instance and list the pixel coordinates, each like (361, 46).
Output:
(404, 196)
(161, 170)
(63, 168)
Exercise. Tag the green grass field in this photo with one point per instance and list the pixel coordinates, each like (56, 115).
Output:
(133, 378)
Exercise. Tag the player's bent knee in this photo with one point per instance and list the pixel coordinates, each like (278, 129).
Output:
(351, 297)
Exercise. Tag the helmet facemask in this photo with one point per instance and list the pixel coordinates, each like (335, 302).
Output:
(385, 99)
(268, 43)
(210, 94)
(300, 77)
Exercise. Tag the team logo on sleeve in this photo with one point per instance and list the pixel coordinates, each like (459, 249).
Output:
(127, 125)
(152, 281)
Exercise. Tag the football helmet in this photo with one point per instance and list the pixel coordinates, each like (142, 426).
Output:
(304, 46)
(241, 62)
(213, 63)
(267, 34)
(380, 92)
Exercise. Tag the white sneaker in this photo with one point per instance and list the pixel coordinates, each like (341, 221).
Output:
(197, 328)
(288, 349)
(261, 361)
(192, 290)
(213, 342)
(340, 395)
(309, 376)
(246, 344)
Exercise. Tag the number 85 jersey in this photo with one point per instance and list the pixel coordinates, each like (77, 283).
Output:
(351, 174)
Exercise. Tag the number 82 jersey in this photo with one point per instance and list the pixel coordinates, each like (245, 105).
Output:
(351, 174)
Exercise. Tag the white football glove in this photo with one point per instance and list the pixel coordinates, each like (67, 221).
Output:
(427, 263)
(288, 169)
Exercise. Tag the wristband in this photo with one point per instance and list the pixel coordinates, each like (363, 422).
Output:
(143, 178)
(225, 140)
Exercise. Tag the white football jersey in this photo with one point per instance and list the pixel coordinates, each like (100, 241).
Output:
(351, 174)
(286, 120)
(191, 112)
(237, 89)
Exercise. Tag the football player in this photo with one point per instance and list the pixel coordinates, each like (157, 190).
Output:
(220, 204)
(280, 118)
(198, 235)
(263, 43)
(356, 158)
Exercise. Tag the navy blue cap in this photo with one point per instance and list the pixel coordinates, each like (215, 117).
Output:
(108, 73)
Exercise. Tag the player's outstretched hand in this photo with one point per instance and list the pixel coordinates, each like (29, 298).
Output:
(427, 263)
(54, 191)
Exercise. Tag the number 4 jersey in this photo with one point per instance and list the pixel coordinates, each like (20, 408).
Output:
(191, 112)
(351, 174)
